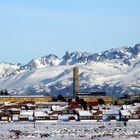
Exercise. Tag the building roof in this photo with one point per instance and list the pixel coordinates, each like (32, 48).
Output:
(40, 113)
(51, 103)
(97, 113)
(59, 108)
(95, 103)
(26, 113)
(66, 116)
(84, 113)
(74, 105)
(125, 113)
(14, 109)
(30, 105)
(111, 112)
(127, 107)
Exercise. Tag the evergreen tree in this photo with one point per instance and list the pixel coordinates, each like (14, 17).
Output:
(5, 92)
(101, 101)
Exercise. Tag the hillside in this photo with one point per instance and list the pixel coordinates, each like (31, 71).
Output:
(114, 71)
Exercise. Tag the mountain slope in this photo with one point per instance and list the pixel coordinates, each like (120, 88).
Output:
(114, 71)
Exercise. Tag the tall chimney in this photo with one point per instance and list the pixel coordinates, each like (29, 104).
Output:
(75, 81)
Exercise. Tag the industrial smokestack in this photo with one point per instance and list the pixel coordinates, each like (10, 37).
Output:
(75, 81)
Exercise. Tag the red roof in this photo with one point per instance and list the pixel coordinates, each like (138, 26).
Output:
(93, 103)
(74, 104)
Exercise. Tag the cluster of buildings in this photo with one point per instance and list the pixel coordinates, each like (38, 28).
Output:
(40, 108)
(64, 111)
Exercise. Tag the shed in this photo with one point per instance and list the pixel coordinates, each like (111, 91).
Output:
(85, 115)
(125, 114)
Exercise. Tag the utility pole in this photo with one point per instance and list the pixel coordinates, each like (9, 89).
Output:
(67, 91)
(34, 117)
(112, 101)
(138, 91)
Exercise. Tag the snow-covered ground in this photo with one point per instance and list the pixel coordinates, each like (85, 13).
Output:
(70, 130)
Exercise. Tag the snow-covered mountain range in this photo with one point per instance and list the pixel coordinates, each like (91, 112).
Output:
(115, 71)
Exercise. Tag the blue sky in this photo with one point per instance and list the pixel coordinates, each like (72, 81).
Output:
(34, 28)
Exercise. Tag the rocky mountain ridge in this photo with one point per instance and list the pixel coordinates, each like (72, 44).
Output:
(114, 71)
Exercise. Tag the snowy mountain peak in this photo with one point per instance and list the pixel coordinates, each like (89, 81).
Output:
(41, 62)
(66, 55)
(7, 69)
(74, 58)
(125, 54)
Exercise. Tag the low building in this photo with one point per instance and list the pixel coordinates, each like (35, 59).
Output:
(74, 105)
(40, 115)
(26, 115)
(93, 97)
(125, 114)
(111, 114)
(97, 115)
(85, 115)
(14, 110)
(5, 116)
(67, 117)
